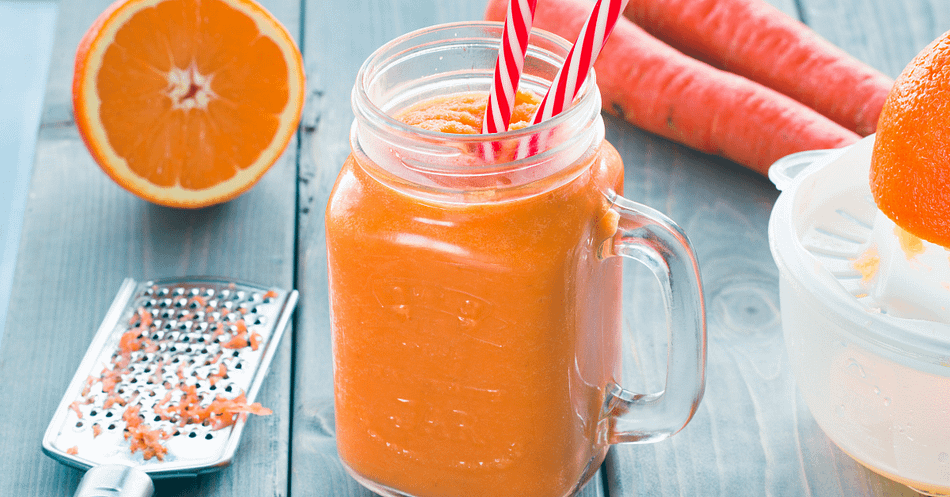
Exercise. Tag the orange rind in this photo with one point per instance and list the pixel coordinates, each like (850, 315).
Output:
(187, 103)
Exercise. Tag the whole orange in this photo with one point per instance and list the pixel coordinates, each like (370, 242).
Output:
(910, 164)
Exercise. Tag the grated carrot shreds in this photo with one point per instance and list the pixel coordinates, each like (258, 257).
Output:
(148, 441)
(113, 400)
(73, 450)
(271, 294)
(223, 412)
(75, 407)
(110, 380)
(146, 318)
(157, 375)
(216, 331)
(220, 374)
(87, 386)
(182, 402)
(141, 318)
(131, 416)
(237, 342)
(240, 339)
(255, 341)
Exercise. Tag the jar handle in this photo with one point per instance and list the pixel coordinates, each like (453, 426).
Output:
(646, 235)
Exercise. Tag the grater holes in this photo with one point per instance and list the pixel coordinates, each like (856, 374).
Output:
(181, 358)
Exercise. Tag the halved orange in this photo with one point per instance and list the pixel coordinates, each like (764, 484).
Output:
(187, 103)
(910, 163)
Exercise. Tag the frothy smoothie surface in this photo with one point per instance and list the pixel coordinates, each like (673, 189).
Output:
(463, 113)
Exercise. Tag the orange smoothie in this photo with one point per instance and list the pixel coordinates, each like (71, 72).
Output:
(473, 340)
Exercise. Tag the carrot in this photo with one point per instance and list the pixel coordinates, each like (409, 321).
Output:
(756, 40)
(663, 91)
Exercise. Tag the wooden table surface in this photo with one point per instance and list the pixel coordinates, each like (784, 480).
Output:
(82, 234)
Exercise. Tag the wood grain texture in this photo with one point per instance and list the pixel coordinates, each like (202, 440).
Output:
(886, 34)
(82, 235)
(753, 434)
(315, 466)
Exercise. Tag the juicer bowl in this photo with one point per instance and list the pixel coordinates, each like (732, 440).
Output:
(878, 385)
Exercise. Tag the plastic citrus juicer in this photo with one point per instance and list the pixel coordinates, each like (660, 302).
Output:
(866, 318)
(166, 355)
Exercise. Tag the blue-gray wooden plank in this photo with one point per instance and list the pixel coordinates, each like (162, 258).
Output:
(82, 234)
(338, 37)
(26, 40)
(753, 434)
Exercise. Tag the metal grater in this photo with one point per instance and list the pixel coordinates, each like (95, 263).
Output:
(192, 333)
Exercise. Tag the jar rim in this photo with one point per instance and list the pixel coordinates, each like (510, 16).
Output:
(364, 107)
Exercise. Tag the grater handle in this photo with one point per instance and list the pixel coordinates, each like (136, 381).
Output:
(115, 480)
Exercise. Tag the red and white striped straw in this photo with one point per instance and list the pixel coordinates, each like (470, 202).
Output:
(580, 59)
(508, 67)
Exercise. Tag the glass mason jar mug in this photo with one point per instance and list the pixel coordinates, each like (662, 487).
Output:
(475, 294)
